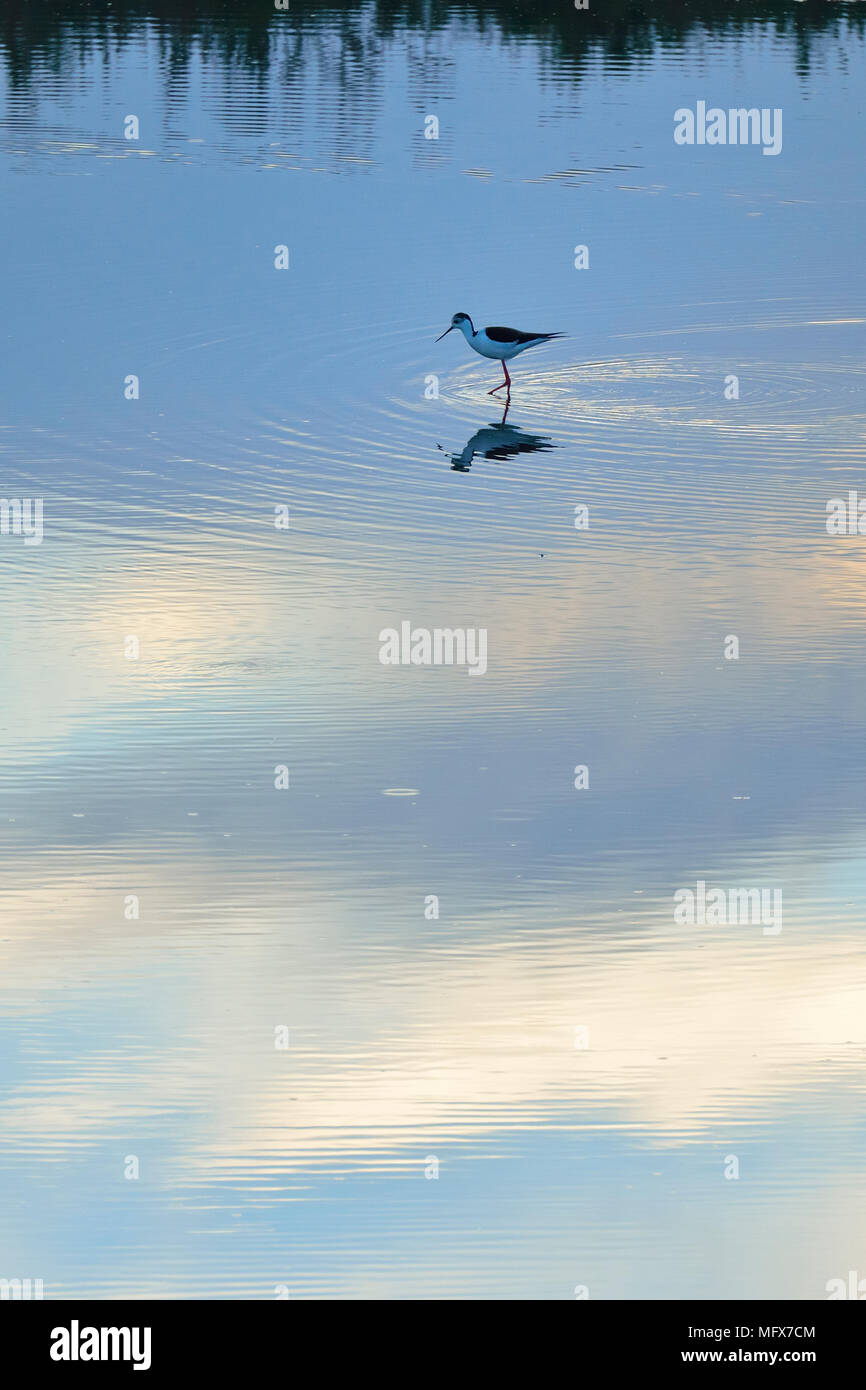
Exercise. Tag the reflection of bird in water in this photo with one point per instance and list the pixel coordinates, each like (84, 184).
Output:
(499, 343)
(499, 442)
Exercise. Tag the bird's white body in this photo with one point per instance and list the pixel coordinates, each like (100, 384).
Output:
(503, 352)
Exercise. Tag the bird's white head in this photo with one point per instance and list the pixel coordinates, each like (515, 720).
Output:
(461, 321)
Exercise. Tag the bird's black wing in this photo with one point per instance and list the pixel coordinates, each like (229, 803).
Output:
(514, 335)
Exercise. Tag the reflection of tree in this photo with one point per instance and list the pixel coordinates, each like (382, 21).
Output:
(345, 38)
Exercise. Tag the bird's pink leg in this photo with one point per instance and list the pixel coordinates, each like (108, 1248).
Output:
(506, 382)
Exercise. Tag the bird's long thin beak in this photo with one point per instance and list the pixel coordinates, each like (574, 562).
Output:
(444, 335)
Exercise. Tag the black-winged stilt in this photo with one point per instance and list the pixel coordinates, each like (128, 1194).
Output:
(500, 343)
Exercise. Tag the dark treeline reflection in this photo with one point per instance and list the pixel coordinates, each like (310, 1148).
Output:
(243, 32)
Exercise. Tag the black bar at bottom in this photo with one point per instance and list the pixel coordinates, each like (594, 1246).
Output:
(214, 1340)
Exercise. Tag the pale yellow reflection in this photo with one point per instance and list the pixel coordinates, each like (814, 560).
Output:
(287, 639)
(691, 1033)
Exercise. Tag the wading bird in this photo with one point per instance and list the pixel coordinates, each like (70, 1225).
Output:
(500, 343)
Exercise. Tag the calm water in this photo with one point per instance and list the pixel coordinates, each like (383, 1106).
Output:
(166, 908)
